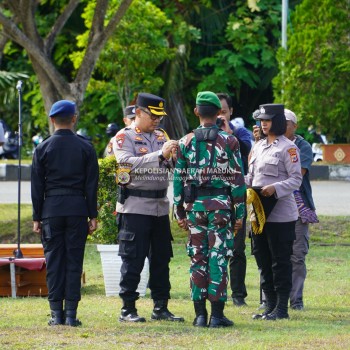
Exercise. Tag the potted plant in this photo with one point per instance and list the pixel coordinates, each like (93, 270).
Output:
(107, 232)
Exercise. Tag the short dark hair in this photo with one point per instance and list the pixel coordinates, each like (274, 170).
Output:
(226, 97)
(279, 125)
(209, 111)
(63, 119)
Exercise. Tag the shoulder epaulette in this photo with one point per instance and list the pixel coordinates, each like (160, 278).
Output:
(162, 131)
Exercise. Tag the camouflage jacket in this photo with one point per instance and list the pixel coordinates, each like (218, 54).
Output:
(226, 171)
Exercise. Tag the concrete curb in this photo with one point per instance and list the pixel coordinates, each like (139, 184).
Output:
(9, 172)
(330, 172)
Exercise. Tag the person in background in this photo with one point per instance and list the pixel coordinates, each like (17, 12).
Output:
(207, 205)
(274, 174)
(144, 155)
(64, 180)
(2, 135)
(238, 262)
(307, 214)
(129, 117)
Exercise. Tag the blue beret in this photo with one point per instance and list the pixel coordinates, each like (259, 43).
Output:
(64, 108)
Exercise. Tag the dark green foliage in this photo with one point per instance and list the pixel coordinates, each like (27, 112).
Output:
(314, 76)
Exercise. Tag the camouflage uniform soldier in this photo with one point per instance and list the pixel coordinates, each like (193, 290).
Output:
(208, 178)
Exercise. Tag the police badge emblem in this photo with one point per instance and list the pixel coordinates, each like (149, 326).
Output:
(262, 110)
(123, 173)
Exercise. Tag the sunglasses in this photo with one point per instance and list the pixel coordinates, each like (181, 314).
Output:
(152, 116)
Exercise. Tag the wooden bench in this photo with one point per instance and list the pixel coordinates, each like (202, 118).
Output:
(27, 282)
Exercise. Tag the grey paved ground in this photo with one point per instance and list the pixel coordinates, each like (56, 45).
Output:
(331, 197)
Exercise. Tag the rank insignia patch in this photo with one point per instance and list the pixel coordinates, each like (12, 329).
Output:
(138, 138)
(120, 140)
(138, 130)
(293, 155)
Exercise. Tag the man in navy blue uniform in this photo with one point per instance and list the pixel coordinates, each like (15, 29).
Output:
(238, 262)
(64, 181)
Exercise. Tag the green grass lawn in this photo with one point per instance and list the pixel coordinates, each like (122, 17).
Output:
(325, 323)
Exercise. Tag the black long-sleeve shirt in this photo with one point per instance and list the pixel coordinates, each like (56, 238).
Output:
(64, 161)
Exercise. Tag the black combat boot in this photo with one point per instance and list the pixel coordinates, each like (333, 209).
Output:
(71, 318)
(70, 310)
(161, 312)
(271, 301)
(129, 313)
(281, 310)
(200, 309)
(57, 317)
(217, 318)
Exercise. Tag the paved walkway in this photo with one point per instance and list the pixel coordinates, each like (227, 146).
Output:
(331, 197)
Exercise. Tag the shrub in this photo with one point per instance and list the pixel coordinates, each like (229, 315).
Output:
(106, 232)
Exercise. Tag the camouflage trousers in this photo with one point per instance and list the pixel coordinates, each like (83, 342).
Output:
(209, 245)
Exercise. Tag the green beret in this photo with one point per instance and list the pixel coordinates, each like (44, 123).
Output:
(208, 98)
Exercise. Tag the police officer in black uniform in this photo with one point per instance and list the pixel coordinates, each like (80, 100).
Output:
(64, 181)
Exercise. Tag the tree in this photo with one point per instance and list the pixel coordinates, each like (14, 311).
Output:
(314, 76)
(129, 61)
(242, 61)
(19, 24)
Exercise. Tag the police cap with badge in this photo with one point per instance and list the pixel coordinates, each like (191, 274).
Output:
(129, 112)
(63, 108)
(275, 113)
(270, 110)
(153, 103)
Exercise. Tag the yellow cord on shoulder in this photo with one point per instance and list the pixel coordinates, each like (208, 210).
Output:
(165, 134)
(254, 200)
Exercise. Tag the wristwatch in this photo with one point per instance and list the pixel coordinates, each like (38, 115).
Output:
(160, 156)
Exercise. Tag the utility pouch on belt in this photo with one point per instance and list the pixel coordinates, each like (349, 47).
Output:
(190, 193)
(121, 198)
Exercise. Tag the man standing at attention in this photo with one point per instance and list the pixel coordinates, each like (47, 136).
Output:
(144, 156)
(209, 180)
(64, 181)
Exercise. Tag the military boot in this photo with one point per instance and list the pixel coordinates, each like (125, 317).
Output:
(201, 319)
(161, 312)
(71, 318)
(129, 313)
(271, 301)
(70, 311)
(56, 313)
(281, 310)
(56, 318)
(217, 318)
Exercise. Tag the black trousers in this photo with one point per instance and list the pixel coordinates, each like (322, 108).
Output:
(64, 239)
(142, 236)
(238, 264)
(272, 250)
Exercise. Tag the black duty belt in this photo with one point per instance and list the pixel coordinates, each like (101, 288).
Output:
(63, 192)
(210, 191)
(146, 193)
